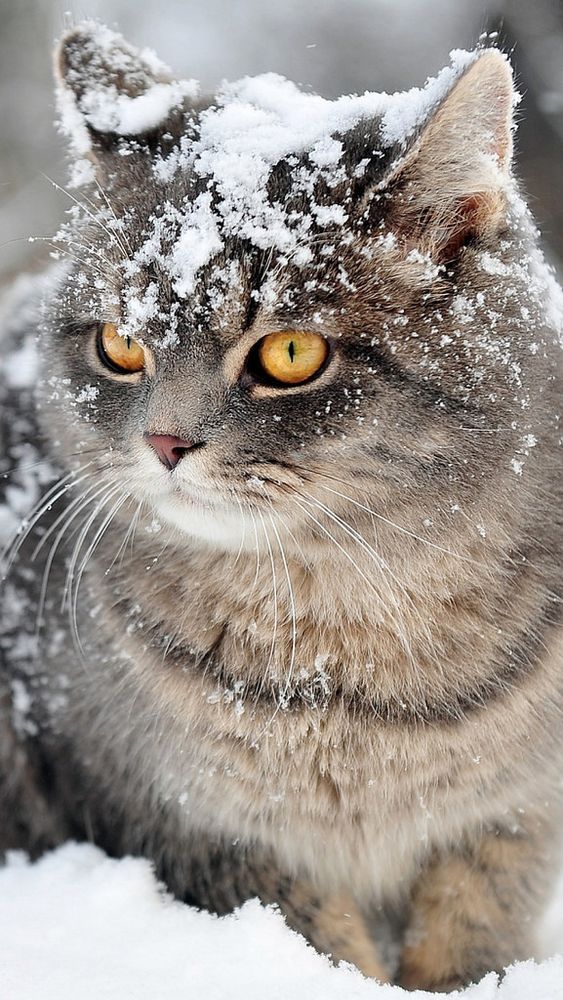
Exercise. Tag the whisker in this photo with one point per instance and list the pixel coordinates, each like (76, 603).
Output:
(46, 502)
(80, 204)
(68, 516)
(251, 512)
(370, 551)
(391, 524)
(329, 535)
(75, 586)
(288, 531)
(240, 548)
(292, 605)
(63, 515)
(96, 268)
(129, 533)
(275, 592)
(18, 468)
(89, 248)
(125, 244)
(99, 506)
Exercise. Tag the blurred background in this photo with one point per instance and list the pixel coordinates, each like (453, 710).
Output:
(330, 46)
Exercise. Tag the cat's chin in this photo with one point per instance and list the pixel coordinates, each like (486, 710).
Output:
(195, 517)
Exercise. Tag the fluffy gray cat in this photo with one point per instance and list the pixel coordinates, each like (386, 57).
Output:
(283, 616)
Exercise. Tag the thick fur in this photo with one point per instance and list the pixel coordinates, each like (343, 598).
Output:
(343, 695)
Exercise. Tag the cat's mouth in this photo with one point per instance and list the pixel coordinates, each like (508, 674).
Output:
(209, 514)
(195, 497)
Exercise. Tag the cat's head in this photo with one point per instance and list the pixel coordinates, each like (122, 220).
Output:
(282, 311)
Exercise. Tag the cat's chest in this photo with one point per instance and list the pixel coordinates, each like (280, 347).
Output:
(327, 791)
(294, 735)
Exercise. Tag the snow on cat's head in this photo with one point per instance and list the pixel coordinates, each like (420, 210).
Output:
(283, 309)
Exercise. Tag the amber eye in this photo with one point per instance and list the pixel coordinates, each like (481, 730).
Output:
(292, 356)
(121, 354)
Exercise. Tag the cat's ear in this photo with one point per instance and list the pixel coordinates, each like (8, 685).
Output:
(451, 185)
(110, 91)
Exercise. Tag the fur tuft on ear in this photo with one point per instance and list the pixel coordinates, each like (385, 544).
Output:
(452, 183)
(108, 89)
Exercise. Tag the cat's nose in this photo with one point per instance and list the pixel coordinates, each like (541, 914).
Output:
(170, 449)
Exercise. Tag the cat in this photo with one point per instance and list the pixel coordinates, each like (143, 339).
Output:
(283, 618)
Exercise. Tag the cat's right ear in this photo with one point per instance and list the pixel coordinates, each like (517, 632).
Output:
(109, 92)
(451, 185)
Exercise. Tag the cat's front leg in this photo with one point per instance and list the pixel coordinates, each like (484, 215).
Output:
(333, 924)
(473, 910)
(222, 877)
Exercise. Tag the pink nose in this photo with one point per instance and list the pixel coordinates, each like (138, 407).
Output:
(169, 449)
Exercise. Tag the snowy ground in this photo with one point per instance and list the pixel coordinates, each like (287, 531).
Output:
(80, 926)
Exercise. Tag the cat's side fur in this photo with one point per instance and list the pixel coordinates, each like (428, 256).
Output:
(355, 711)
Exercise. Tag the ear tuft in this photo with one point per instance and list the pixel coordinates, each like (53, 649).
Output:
(91, 57)
(113, 87)
(452, 183)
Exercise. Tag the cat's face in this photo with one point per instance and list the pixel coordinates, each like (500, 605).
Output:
(331, 334)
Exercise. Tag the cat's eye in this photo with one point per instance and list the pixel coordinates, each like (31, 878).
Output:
(120, 353)
(292, 356)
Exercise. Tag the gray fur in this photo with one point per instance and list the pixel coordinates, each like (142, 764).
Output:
(420, 722)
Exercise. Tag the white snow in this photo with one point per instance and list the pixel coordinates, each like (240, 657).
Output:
(78, 924)
(258, 121)
(105, 108)
(197, 243)
(108, 111)
(20, 367)
(252, 125)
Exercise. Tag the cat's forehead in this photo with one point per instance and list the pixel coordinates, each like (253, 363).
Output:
(196, 250)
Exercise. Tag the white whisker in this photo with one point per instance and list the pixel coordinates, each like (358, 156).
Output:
(292, 605)
(68, 516)
(99, 506)
(46, 502)
(397, 527)
(379, 562)
(125, 245)
(275, 592)
(80, 204)
(130, 533)
(75, 584)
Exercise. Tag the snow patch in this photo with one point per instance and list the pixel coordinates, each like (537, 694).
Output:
(80, 924)
(108, 111)
(254, 124)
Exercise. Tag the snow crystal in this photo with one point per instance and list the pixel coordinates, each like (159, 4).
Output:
(407, 110)
(80, 924)
(493, 265)
(198, 242)
(108, 111)
(87, 394)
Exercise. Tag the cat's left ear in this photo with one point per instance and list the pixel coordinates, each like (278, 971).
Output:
(109, 91)
(452, 183)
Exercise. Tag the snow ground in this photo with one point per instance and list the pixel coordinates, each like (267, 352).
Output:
(78, 925)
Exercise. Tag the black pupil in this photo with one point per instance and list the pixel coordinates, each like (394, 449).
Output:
(128, 343)
(291, 350)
